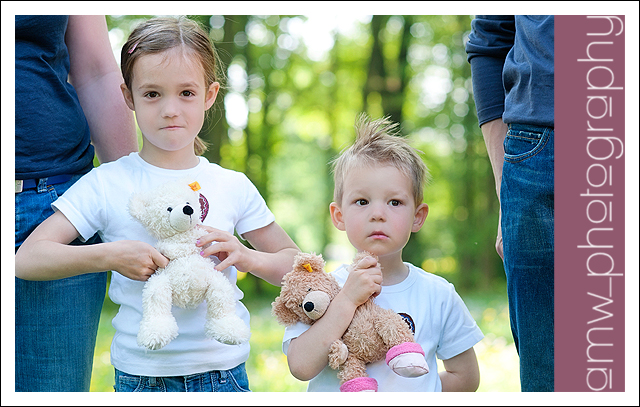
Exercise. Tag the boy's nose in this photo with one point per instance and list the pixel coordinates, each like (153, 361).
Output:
(377, 213)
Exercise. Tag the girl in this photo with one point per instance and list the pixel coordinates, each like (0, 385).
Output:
(169, 68)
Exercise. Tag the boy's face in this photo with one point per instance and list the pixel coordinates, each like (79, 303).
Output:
(170, 97)
(378, 210)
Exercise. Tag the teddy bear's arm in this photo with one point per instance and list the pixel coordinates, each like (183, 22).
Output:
(338, 353)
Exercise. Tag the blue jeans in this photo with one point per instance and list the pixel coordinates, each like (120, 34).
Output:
(527, 204)
(232, 380)
(56, 322)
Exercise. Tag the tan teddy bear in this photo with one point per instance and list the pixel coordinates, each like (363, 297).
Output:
(171, 213)
(374, 333)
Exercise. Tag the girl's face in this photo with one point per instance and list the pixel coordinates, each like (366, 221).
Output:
(170, 97)
(378, 210)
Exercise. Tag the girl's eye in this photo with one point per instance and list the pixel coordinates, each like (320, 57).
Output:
(394, 202)
(187, 93)
(361, 202)
(152, 95)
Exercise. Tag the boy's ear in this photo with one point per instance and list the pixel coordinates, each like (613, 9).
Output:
(336, 216)
(418, 219)
(128, 97)
(211, 95)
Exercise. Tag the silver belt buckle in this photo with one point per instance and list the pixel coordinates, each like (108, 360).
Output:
(18, 186)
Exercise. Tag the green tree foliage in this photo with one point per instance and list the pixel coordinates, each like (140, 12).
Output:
(292, 91)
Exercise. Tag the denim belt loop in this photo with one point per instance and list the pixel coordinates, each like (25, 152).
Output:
(42, 185)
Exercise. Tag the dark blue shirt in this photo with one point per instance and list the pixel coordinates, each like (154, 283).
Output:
(51, 131)
(512, 68)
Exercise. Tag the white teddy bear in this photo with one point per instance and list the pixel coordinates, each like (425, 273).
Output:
(171, 214)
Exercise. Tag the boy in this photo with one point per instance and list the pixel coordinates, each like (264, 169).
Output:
(378, 202)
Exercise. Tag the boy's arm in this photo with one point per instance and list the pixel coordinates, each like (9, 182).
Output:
(308, 353)
(47, 255)
(461, 372)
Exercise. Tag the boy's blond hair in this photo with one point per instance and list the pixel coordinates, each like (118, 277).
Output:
(378, 143)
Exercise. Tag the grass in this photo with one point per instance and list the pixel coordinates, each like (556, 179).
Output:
(267, 366)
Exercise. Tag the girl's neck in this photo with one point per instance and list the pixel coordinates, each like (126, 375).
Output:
(170, 160)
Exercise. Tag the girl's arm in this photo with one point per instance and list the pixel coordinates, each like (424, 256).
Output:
(461, 372)
(47, 255)
(271, 259)
(308, 353)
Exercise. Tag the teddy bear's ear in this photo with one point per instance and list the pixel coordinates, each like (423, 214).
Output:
(136, 206)
(283, 315)
(308, 261)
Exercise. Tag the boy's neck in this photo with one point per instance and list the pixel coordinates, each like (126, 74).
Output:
(394, 270)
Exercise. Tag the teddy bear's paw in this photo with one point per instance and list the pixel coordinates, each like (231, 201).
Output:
(154, 335)
(360, 384)
(229, 329)
(338, 353)
(407, 360)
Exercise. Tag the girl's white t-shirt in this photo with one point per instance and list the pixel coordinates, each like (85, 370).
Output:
(441, 322)
(98, 202)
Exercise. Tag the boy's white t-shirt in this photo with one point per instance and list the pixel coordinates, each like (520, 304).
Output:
(98, 202)
(442, 325)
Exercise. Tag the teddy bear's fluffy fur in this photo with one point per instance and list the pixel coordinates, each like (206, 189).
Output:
(171, 213)
(305, 295)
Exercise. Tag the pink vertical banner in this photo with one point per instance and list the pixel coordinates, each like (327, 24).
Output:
(589, 203)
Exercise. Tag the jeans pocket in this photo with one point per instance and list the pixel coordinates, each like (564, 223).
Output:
(131, 383)
(520, 145)
(234, 380)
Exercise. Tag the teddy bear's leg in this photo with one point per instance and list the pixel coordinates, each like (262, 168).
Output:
(353, 377)
(405, 358)
(223, 324)
(158, 326)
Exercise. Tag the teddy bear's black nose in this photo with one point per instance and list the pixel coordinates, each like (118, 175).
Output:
(308, 306)
(187, 210)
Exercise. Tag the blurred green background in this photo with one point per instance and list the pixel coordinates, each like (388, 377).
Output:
(292, 90)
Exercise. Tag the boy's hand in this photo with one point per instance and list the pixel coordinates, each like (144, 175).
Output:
(226, 247)
(364, 281)
(136, 260)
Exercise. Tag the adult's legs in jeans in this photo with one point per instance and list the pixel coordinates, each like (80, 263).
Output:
(527, 202)
(56, 322)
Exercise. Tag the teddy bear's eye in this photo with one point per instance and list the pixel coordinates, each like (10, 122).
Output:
(169, 209)
(309, 290)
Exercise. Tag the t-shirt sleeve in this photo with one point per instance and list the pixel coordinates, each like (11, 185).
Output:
(291, 333)
(256, 214)
(490, 41)
(83, 205)
(460, 331)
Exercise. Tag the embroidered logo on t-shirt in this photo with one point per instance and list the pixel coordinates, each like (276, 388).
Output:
(407, 318)
(204, 207)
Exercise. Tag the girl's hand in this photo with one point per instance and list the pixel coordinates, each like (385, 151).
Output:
(364, 281)
(226, 247)
(136, 260)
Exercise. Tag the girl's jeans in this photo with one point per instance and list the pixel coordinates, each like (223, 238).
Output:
(56, 322)
(526, 197)
(232, 380)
